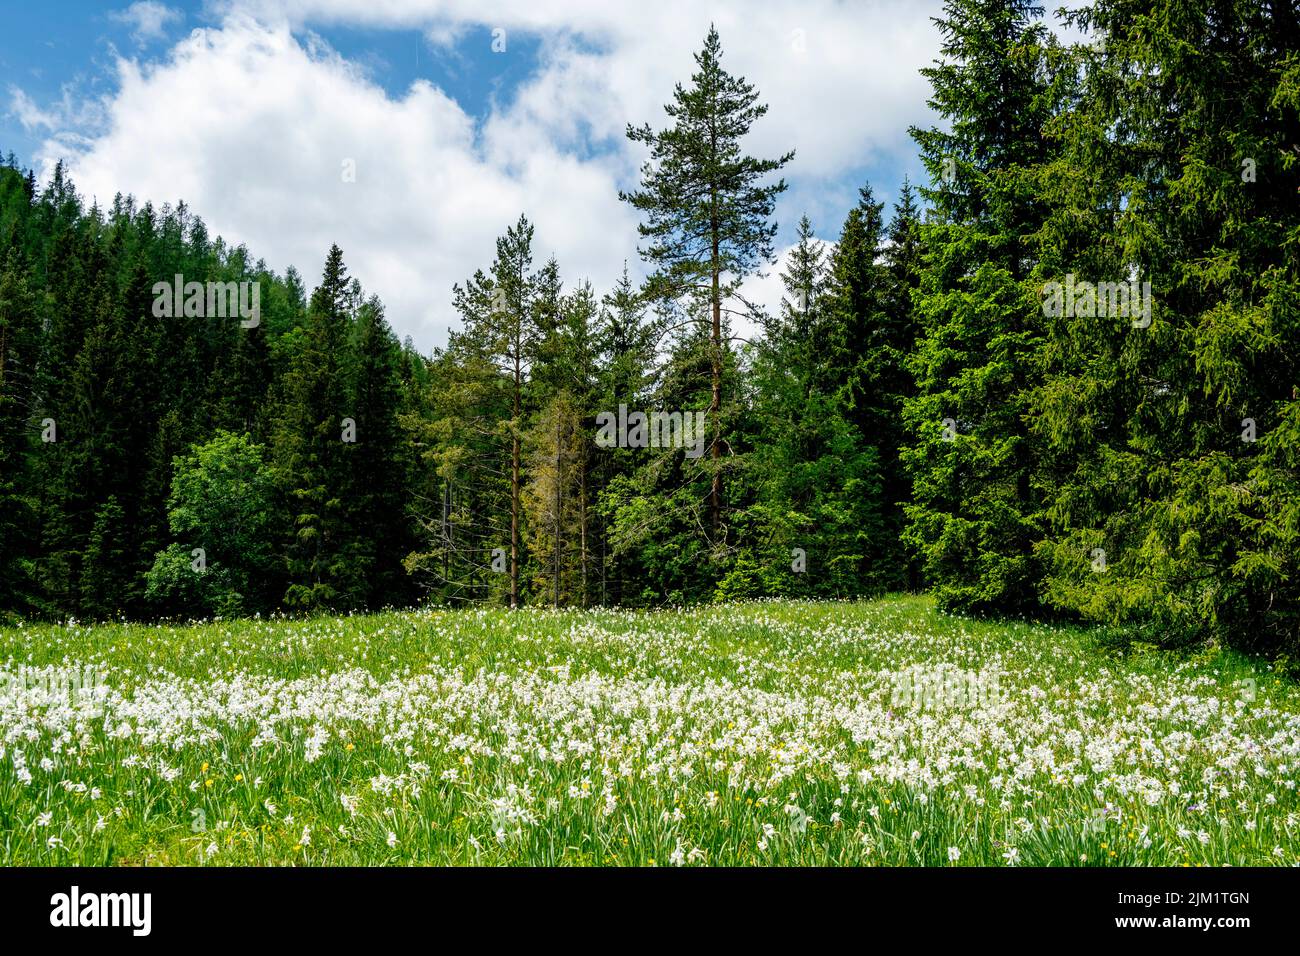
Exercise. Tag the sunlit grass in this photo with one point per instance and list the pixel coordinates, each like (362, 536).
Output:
(766, 733)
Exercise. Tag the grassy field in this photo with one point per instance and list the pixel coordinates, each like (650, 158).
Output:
(766, 733)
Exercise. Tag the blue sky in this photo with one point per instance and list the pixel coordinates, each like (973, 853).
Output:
(458, 115)
(74, 44)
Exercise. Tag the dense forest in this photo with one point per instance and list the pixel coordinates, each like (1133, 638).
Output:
(1057, 379)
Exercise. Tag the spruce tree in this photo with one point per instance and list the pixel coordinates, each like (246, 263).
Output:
(977, 510)
(1176, 428)
(814, 525)
(624, 342)
(801, 323)
(19, 344)
(311, 449)
(857, 324)
(377, 462)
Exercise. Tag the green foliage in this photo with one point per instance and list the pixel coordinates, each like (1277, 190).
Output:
(979, 488)
(707, 221)
(222, 512)
(19, 343)
(1177, 439)
(379, 465)
(917, 414)
(815, 474)
(555, 502)
(324, 569)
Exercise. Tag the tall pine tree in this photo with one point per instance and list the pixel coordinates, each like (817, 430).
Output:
(707, 211)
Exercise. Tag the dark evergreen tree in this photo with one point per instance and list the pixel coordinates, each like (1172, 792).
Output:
(310, 444)
(503, 315)
(377, 462)
(19, 355)
(979, 500)
(1175, 422)
(814, 526)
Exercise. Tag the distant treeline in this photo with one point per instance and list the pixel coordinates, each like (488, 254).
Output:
(1060, 380)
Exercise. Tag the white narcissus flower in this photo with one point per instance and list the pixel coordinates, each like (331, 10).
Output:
(664, 732)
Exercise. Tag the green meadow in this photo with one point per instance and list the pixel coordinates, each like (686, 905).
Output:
(764, 733)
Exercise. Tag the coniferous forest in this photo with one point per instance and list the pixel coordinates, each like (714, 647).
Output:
(1059, 379)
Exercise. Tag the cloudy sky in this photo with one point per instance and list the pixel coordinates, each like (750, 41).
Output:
(457, 116)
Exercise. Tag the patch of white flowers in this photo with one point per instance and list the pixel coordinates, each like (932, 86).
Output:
(626, 706)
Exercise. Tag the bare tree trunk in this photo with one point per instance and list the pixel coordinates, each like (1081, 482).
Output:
(514, 489)
(715, 408)
(555, 598)
(446, 535)
(582, 518)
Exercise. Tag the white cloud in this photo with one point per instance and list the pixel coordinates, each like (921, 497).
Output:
(148, 20)
(841, 78)
(29, 114)
(766, 290)
(250, 123)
